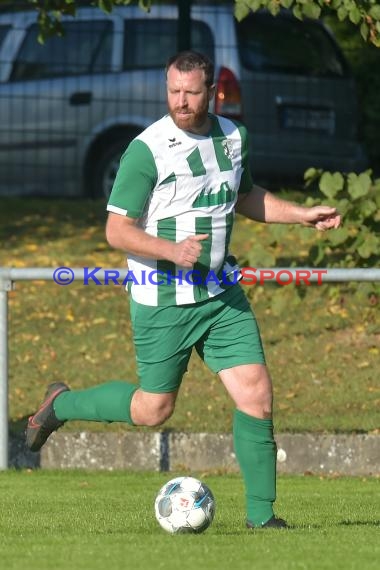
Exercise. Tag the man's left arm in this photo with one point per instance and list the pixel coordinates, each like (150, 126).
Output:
(263, 206)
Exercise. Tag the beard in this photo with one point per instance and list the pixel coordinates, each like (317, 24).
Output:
(189, 120)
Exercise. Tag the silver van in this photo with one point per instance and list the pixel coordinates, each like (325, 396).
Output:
(69, 107)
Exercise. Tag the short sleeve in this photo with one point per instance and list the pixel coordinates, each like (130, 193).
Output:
(134, 182)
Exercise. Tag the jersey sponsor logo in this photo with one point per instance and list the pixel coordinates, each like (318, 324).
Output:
(209, 198)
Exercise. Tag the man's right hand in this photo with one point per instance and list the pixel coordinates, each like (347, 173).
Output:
(187, 252)
(123, 233)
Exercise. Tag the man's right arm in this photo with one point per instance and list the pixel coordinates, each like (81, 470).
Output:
(123, 233)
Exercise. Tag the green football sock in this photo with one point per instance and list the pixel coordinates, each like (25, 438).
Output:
(255, 450)
(109, 402)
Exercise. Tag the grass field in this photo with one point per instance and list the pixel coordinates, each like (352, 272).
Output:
(87, 520)
(323, 350)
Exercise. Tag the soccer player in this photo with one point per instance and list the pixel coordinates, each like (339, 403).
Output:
(171, 210)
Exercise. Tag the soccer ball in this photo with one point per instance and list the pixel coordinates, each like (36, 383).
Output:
(184, 504)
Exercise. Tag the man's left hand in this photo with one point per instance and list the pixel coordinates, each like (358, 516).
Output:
(321, 218)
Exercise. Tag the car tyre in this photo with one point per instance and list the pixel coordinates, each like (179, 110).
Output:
(105, 169)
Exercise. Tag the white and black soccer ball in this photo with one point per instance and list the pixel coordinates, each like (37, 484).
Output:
(184, 504)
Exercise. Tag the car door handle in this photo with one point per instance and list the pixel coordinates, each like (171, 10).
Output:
(81, 98)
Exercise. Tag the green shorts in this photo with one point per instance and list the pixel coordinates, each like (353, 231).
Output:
(222, 329)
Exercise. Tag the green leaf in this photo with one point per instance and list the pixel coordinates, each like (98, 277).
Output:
(364, 30)
(297, 11)
(317, 253)
(342, 13)
(376, 195)
(367, 208)
(274, 7)
(241, 10)
(105, 5)
(310, 202)
(370, 246)
(343, 205)
(286, 3)
(311, 176)
(330, 184)
(337, 237)
(254, 4)
(358, 186)
(374, 12)
(312, 11)
(310, 173)
(355, 15)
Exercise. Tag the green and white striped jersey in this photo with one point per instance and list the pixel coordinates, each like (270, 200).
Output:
(180, 184)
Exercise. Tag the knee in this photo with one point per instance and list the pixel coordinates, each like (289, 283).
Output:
(158, 415)
(263, 388)
(260, 396)
(250, 387)
(152, 409)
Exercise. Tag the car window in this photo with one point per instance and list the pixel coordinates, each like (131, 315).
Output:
(149, 43)
(85, 48)
(3, 32)
(287, 45)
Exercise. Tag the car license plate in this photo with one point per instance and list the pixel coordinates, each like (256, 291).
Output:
(307, 118)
